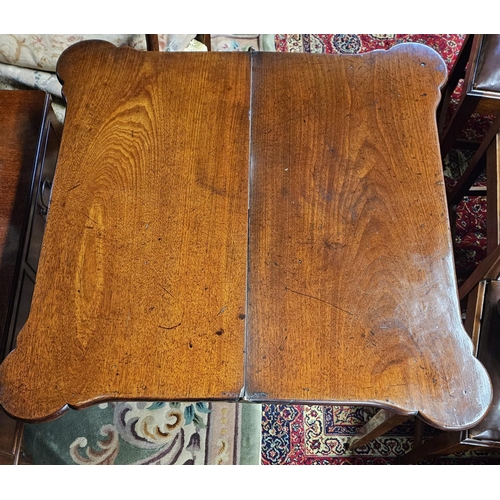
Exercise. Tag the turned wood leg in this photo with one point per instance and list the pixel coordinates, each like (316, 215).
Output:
(382, 422)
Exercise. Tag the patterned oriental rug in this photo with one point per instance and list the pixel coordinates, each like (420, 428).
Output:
(316, 434)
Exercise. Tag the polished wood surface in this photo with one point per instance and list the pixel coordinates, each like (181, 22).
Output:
(141, 283)
(352, 290)
(483, 325)
(22, 117)
(337, 285)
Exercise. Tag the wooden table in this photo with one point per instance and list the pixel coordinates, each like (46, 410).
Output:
(257, 227)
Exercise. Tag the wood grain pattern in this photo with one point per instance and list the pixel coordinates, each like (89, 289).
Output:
(352, 294)
(141, 286)
(348, 295)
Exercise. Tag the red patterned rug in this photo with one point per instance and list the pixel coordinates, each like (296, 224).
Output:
(316, 434)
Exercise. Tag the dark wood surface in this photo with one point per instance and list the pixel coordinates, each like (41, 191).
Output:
(348, 296)
(352, 290)
(152, 42)
(489, 268)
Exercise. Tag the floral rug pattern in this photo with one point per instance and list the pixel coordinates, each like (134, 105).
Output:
(148, 433)
(318, 435)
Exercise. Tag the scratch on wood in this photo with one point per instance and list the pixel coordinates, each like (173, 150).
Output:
(221, 311)
(169, 327)
(74, 187)
(89, 218)
(163, 288)
(317, 298)
(257, 395)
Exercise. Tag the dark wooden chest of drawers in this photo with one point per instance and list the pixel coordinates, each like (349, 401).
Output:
(29, 144)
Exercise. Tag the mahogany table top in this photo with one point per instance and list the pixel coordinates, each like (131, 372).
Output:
(256, 227)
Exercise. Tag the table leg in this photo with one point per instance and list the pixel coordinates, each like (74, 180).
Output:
(444, 444)
(382, 422)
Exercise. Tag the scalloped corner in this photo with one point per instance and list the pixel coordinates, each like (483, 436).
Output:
(432, 57)
(479, 400)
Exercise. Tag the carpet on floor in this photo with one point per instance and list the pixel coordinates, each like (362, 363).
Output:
(148, 433)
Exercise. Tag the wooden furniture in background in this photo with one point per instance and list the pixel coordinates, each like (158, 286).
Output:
(29, 145)
(479, 66)
(152, 43)
(11, 432)
(271, 231)
(28, 150)
(206, 40)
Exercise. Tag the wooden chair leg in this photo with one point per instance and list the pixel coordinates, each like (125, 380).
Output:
(382, 422)
(152, 43)
(444, 444)
(419, 433)
(493, 194)
(456, 73)
(489, 268)
(475, 165)
(458, 121)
